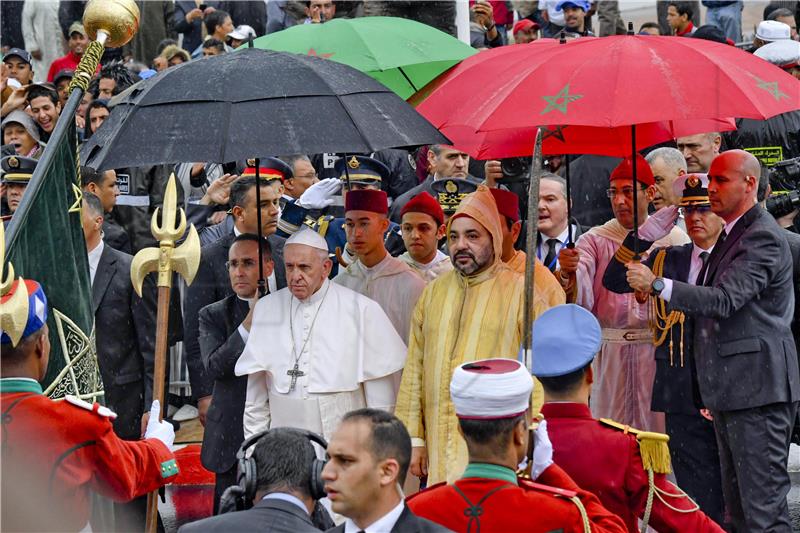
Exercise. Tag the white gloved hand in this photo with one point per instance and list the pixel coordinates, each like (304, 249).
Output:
(320, 195)
(542, 450)
(163, 430)
(659, 224)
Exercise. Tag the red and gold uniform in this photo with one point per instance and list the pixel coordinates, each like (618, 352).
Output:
(606, 460)
(492, 499)
(56, 453)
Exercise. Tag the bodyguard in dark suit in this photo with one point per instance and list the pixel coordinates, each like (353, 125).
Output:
(222, 340)
(283, 458)
(373, 441)
(212, 282)
(746, 359)
(692, 444)
(124, 326)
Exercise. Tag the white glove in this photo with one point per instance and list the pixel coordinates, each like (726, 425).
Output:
(542, 450)
(320, 195)
(162, 431)
(659, 224)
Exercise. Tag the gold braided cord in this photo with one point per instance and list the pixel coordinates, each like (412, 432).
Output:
(662, 322)
(680, 494)
(584, 515)
(87, 67)
(651, 489)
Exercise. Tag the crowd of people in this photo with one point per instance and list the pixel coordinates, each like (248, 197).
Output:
(364, 341)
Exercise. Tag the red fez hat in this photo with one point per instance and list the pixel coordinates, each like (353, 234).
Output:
(424, 203)
(624, 171)
(367, 200)
(507, 203)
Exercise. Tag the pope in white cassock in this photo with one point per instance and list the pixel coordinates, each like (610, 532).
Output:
(317, 350)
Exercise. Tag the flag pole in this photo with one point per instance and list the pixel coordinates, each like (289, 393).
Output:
(112, 22)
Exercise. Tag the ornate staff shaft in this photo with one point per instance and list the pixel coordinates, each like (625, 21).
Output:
(530, 247)
(166, 259)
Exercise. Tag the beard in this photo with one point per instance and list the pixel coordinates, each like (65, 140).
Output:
(476, 264)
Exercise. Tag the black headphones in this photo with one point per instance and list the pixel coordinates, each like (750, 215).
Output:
(240, 496)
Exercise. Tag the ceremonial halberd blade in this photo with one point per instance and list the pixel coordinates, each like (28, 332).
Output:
(185, 259)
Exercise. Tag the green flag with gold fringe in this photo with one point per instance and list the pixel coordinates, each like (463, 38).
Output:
(45, 243)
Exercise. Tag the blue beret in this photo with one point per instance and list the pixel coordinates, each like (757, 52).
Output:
(581, 4)
(565, 339)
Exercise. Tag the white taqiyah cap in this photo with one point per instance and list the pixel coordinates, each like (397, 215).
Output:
(491, 389)
(772, 30)
(309, 237)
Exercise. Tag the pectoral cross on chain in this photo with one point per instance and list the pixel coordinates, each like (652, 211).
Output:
(294, 373)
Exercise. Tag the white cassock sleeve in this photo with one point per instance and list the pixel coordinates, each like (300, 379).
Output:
(381, 393)
(256, 404)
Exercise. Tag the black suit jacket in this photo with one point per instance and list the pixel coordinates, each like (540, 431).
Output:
(745, 353)
(125, 338)
(673, 386)
(212, 284)
(116, 237)
(220, 347)
(267, 516)
(794, 247)
(407, 523)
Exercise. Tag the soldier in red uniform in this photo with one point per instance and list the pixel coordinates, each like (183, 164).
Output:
(56, 453)
(624, 467)
(492, 399)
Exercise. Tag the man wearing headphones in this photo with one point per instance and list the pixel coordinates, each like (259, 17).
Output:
(283, 480)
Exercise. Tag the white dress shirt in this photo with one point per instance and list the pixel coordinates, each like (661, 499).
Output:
(94, 260)
(383, 525)
(286, 498)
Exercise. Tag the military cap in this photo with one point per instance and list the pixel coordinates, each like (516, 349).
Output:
(565, 338)
(362, 170)
(269, 169)
(17, 169)
(450, 192)
(693, 190)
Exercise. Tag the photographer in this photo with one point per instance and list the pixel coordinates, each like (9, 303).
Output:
(284, 464)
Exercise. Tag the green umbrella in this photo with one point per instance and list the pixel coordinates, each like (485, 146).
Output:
(402, 54)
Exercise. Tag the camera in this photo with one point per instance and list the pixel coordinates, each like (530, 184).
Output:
(515, 167)
(784, 177)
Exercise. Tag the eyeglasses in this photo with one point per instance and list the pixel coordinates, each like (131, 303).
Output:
(236, 263)
(701, 209)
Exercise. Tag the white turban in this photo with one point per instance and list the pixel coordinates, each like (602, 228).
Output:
(308, 237)
(490, 389)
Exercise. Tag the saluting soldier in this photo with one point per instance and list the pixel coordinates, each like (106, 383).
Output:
(60, 452)
(693, 444)
(364, 173)
(492, 399)
(623, 466)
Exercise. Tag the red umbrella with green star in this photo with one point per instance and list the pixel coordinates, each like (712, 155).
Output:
(606, 83)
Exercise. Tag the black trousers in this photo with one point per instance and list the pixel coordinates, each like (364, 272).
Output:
(221, 482)
(695, 460)
(754, 451)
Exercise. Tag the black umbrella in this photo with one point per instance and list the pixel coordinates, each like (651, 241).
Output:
(253, 103)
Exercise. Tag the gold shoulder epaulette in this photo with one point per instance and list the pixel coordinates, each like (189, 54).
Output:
(653, 447)
(322, 224)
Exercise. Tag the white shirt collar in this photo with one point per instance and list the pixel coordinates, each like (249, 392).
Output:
(383, 525)
(94, 259)
(286, 498)
(696, 250)
(729, 226)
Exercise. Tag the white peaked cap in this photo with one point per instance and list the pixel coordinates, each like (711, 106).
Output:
(490, 389)
(309, 237)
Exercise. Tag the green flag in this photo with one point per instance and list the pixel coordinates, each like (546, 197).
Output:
(46, 244)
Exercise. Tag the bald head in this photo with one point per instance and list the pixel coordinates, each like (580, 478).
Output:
(733, 183)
